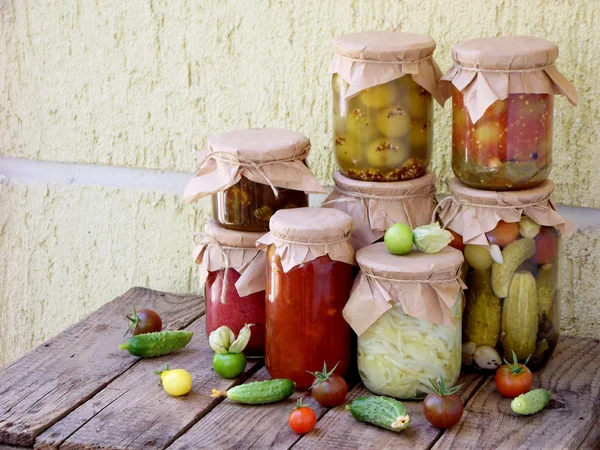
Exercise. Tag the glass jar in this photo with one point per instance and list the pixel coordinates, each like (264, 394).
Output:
(502, 110)
(383, 88)
(407, 313)
(511, 242)
(248, 206)
(509, 148)
(251, 174)
(235, 311)
(385, 133)
(308, 286)
(232, 273)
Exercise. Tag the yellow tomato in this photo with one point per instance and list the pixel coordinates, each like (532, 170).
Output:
(176, 382)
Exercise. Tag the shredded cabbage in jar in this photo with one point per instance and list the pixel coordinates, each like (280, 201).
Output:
(399, 354)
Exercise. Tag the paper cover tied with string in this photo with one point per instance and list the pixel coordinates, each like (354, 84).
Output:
(219, 249)
(368, 59)
(474, 212)
(375, 207)
(426, 285)
(489, 69)
(270, 156)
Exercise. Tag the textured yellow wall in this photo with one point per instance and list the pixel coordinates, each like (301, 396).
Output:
(142, 83)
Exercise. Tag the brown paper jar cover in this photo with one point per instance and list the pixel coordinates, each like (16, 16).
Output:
(474, 212)
(426, 285)
(270, 156)
(301, 235)
(488, 69)
(370, 58)
(218, 248)
(374, 207)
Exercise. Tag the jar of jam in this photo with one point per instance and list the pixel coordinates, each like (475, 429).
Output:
(232, 272)
(502, 110)
(251, 174)
(383, 88)
(374, 207)
(406, 311)
(511, 244)
(310, 269)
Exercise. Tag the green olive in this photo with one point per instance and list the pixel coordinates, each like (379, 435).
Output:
(360, 125)
(393, 121)
(384, 152)
(378, 96)
(346, 149)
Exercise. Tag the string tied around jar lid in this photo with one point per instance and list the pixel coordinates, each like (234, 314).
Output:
(394, 280)
(234, 159)
(403, 61)
(375, 197)
(477, 69)
(208, 240)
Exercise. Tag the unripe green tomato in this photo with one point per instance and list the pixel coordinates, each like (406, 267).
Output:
(229, 365)
(398, 239)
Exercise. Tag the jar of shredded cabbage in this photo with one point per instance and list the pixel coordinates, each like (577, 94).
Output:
(406, 311)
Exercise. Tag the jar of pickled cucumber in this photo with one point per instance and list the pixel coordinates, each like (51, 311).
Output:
(383, 86)
(251, 174)
(511, 243)
(502, 110)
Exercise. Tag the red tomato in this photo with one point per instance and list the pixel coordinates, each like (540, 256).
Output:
(513, 379)
(328, 388)
(503, 234)
(546, 246)
(302, 419)
(457, 240)
(442, 407)
(144, 321)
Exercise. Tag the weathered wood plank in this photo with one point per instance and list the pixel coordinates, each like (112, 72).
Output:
(231, 425)
(573, 376)
(46, 384)
(133, 411)
(339, 430)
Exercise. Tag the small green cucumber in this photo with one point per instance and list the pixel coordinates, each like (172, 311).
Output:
(157, 344)
(531, 402)
(259, 392)
(385, 412)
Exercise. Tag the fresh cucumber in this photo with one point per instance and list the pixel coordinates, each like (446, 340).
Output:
(385, 412)
(259, 392)
(531, 402)
(157, 344)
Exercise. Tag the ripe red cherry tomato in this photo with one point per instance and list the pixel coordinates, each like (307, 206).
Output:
(513, 379)
(328, 388)
(302, 419)
(144, 321)
(457, 241)
(546, 246)
(442, 407)
(503, 234)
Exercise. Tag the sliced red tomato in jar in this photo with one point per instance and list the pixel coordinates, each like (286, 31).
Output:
(546, 246)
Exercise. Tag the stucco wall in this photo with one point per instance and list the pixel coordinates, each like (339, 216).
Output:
(142, 83)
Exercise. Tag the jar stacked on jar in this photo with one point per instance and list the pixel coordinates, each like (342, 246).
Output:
(250, 175)
(383, 84)
(499, 210)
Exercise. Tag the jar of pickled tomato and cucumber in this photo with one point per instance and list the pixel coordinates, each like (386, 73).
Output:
(383, 89)
(502, 111)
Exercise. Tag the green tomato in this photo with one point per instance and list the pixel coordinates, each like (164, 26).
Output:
(229, 365)
(398, 239)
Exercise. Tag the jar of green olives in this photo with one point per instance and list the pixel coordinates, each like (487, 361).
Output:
(383, 89)
(502, 109)
(511, 243)
(251, 174)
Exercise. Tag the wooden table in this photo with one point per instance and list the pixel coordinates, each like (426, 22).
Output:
(79, 390)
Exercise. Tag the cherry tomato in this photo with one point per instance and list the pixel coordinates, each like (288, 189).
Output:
(546, 246)
(513, 379)
(302, 419)
(504, 233)
(457, 241)
(144, 321)
(328, 388)
(229, 365)
(442, 407)
(176, 382)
